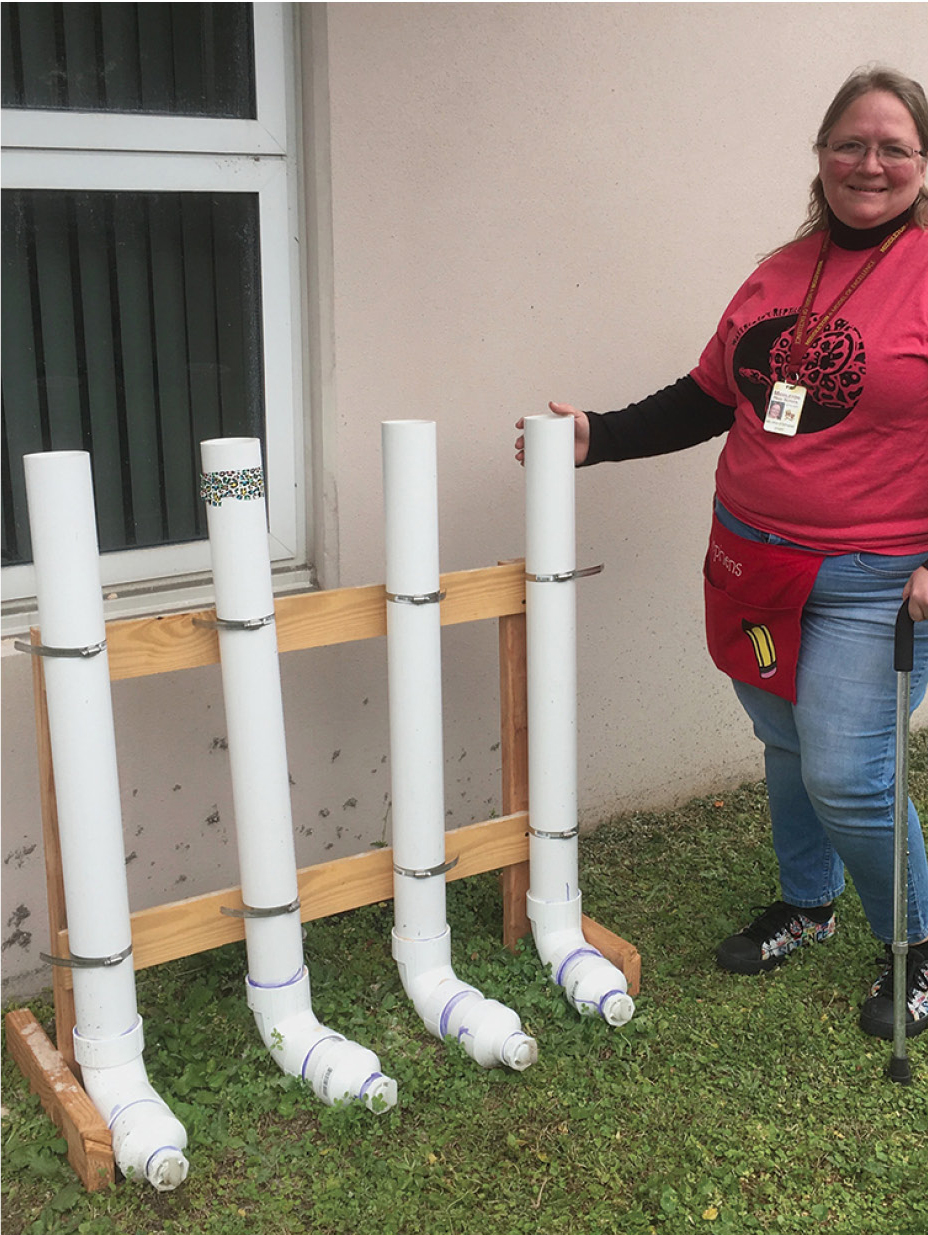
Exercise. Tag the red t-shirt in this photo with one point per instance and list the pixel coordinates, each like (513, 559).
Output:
(855, 476)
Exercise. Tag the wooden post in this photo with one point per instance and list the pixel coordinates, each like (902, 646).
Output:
(513, 706)
(515, 879)
(54, 879)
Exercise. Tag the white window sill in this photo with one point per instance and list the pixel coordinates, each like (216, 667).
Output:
(150, 599)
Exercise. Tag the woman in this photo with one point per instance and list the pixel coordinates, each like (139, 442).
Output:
(821, 521)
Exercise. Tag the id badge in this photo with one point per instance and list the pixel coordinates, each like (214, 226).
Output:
(784, 408)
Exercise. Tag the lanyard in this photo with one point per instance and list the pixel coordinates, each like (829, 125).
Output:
(801, 338)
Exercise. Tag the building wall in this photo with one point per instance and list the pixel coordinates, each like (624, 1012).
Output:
(507, 203)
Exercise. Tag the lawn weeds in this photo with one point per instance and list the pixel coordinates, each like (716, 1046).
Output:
(727, 1105)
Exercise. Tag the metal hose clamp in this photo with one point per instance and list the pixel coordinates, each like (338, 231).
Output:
(424, 598)
(555, 835)
(234, 623)
(87, 962)
(274, 911)
(425, 873)
(567, 575)
(41, 649)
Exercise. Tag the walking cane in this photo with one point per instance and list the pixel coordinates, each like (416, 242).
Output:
(899, 1069)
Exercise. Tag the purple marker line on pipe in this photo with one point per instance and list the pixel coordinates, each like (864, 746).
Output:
(448, 1009)
(136, 1102)
(161, 1149)
(572, 956)
(608, 995)
(276, 986)
(332, 1037)
(374, 1076)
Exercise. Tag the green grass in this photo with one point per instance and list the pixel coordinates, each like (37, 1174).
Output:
(727, 1105)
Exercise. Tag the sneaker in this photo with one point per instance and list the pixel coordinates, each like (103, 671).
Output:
(876, 1014)
(767, 942)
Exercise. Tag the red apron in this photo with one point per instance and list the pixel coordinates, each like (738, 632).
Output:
(755, 594)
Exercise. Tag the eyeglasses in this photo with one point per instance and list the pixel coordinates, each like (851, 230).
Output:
(891, 154)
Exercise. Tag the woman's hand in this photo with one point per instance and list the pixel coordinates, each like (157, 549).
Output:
(581, 432)
(916, 593)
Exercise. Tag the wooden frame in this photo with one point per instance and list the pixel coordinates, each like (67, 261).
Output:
(141, 647)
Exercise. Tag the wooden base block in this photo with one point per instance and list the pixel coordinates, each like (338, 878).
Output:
(624, 955)
(90, 1145)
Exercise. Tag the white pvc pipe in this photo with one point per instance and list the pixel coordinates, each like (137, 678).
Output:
(489, 1032)
(277, 984)
(592, 984)
(148, 1141)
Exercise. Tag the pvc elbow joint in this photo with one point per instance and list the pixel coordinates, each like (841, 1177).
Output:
(489, 1032)
(592, 984)
(338, 1070)
(148, 1141)
(141, 1124)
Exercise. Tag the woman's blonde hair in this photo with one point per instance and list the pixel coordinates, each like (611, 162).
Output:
(864, 81)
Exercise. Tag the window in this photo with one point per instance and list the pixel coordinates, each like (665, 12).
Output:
(150, 293)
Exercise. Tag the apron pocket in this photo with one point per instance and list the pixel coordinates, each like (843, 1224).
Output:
(755, 594)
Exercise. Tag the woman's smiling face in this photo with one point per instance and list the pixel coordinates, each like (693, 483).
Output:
(869, 192)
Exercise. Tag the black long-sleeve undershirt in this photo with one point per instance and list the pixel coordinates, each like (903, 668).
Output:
(672, 419)
(683, 414)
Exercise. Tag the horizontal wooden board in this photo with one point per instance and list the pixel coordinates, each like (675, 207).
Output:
(139, 647)
(182, 928)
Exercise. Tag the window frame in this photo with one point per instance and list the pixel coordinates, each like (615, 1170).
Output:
(121, 151)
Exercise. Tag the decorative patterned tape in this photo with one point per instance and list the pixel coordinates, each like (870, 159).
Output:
(245, 484)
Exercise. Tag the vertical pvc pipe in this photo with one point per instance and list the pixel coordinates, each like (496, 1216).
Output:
(277, 985)
(593, 985)
(236, 519)
(551, 634)
(108, 1040)
(489, 1032)
(414, 669)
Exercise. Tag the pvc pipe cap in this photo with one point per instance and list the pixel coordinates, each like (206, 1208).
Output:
(167, 1169)
(380, 1095)
(617, 1008)
(519, 1052)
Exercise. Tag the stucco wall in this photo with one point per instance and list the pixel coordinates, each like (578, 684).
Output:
(514, 203)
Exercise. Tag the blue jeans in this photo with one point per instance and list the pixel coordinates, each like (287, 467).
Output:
(829, 757)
